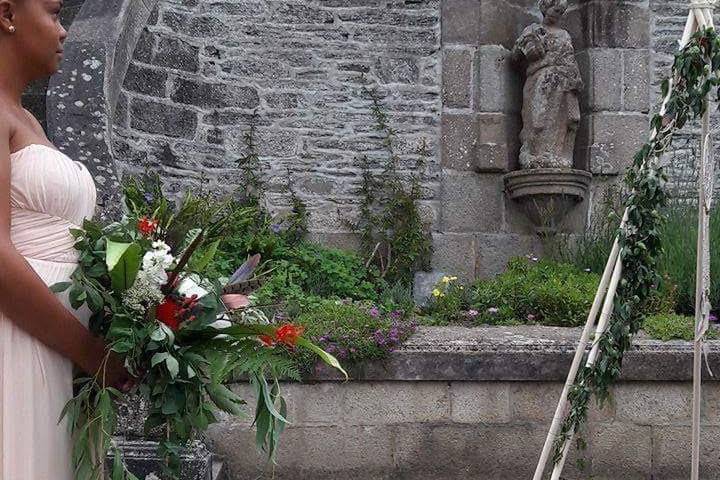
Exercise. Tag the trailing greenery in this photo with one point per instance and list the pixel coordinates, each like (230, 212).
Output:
(392, 232)
(671, 326)
(695, 73)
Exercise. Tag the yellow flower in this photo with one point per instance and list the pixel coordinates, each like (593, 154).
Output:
(436, 293)
(452, 279)
(446, 279)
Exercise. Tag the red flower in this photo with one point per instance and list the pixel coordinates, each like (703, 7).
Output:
(289, 334)
(147, 226)
(168, 313)
(267, 340)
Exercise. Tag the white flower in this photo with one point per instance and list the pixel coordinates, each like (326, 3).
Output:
(189, 286)
(155, 258)
(160, 245)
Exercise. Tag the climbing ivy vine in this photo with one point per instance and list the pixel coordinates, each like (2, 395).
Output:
(695, 73)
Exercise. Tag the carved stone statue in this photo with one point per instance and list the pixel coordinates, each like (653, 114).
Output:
(551, 111)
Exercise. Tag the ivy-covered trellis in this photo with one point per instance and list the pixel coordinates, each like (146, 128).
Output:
(630, 272)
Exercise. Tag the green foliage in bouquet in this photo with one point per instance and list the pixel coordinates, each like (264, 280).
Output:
(173, 326)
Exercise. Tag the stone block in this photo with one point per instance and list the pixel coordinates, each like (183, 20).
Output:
(672, 452)
(455, 255)
(460, 21)
(494, 251)
(498, 85)
(147, 81)
(607, 142)
(498, 142)
(423, 285)
(636, 80)
(489, 452)
(214, 95)
(344, 240)
(621, 450)
(603, 79)
(161, 118)
(307, 452)
(459, 141)
(457, 77)
(501, 23)
(618, 25)
(471, 202)
(383, 403)
(486, 403)
(178, 54)
(199, 26)
(653, 403)
(144, 47)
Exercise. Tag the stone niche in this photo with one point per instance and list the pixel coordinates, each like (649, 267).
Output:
(481, 226)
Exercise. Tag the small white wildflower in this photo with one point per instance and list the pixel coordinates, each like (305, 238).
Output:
(143, 292)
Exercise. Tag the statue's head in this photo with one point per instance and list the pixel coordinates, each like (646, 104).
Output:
(552, 10)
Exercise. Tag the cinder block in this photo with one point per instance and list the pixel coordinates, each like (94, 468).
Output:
(485, 402)
(621, 450)
(383, 403)
(653, 403)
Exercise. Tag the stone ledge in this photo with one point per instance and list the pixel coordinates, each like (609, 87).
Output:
(522, 353)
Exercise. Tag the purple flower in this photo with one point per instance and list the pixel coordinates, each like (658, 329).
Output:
(472, 313)
(530, 317)
(149, 197)
(276, 228)
(374, 312)
(396, 314)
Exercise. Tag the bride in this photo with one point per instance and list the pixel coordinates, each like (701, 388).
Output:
(43, 193)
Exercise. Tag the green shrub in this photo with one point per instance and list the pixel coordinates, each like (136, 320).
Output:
(673, 327)
(535, 292)
(676, 264)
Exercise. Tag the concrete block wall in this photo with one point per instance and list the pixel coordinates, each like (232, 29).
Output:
(466, 419)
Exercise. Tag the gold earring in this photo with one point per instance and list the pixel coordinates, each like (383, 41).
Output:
(12, 28)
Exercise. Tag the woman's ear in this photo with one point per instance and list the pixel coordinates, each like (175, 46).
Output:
(7, 16)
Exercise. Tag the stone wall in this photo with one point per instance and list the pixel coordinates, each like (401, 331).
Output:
(195, 74)
(201, 69)
(477, 403)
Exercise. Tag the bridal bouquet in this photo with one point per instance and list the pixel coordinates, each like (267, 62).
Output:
(182, 335)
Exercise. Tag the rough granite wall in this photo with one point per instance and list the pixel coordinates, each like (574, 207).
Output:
(201, 69)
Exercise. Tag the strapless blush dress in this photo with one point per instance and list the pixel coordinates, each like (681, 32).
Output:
(50, 193)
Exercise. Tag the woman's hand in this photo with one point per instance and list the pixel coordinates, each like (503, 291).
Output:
(110, 371)
(115, 374)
